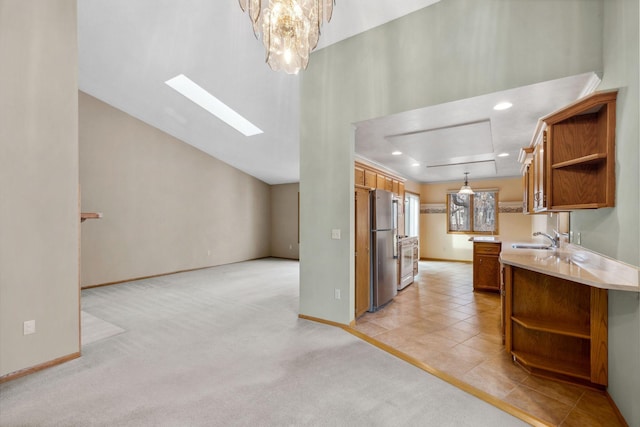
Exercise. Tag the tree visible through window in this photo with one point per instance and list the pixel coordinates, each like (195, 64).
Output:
(473, 213)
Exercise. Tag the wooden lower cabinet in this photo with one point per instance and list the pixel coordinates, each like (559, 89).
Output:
(555, 327)
(362, 261)
(486, 266)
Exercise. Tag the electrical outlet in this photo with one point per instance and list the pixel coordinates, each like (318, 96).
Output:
(29, 327)
(337, 293)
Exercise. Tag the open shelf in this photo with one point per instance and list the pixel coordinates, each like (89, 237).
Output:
(572, 369)
(549, 302)
(575, 164)
(553, 327)
(570, 163)
(584, 160)
(590, 192)
(556, 327)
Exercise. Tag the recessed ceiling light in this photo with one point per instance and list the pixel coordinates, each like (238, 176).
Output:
(396, 153)
(503, 154)
(204, 99)
(502, 106)
(415, 164)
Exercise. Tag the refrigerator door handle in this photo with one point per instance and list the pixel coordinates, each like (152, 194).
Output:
(396, 243)
(394, 222)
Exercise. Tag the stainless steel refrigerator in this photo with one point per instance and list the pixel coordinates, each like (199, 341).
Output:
(384, 274)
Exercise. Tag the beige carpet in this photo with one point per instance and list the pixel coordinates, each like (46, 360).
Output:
(224, 347)
(94, 329)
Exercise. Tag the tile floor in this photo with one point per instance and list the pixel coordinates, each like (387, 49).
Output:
(440, 321)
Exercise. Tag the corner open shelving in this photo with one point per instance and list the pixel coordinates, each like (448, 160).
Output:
(580, 154)
(581, 370)
(556, 327)
(543, 325)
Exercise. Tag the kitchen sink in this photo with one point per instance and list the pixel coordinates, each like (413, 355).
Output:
(532, 246)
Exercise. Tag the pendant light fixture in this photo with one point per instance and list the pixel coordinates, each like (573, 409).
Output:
(465, 189)
(290, 29)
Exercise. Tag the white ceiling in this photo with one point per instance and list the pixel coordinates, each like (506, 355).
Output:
(450, 139)
(128, 49)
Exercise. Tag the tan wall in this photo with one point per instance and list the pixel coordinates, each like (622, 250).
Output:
(436, 243)
(166, 206)
(284, 221)
(39, 219)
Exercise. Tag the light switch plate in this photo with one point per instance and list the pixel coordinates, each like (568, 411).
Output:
(335, 234)
(29, 327)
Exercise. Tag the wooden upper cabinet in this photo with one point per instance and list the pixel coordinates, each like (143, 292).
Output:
(370, 179)
(540, 175)
(526, 189)
(526, 157)
(573, 162)
(388, 183)
(581, 153)
(396, 187)
(359, 176)
(374, 178)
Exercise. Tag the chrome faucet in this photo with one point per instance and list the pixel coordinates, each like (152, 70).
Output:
(555, 241)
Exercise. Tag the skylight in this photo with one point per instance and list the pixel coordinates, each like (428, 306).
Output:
(204, 99)
(503, 106)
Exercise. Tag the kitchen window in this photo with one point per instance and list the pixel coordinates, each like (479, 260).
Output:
(473, 213)
(411, 215)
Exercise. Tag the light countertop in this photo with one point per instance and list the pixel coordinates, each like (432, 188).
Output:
(490, 239)
(575, 263)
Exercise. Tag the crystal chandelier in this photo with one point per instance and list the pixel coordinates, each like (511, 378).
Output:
(290, 29)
